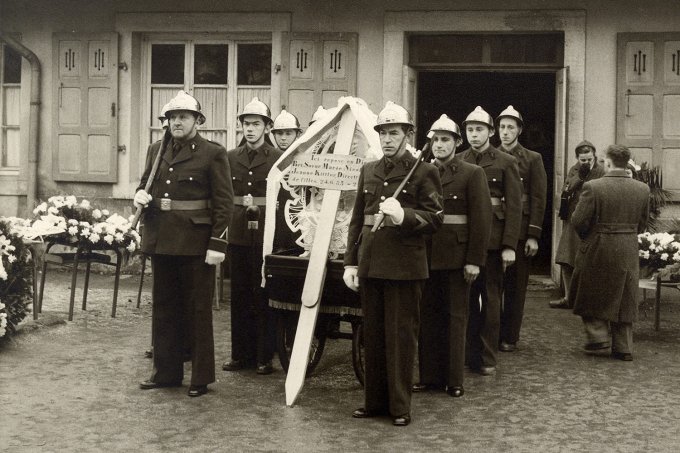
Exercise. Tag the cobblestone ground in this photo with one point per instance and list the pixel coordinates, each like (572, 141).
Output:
(73, 386)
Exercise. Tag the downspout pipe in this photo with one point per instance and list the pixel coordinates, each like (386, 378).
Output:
(33, 118)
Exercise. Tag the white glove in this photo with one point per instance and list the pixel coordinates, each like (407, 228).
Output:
(351, 278)
(531, 247)
(508, 256)
(141, 198)
(470, 272)
(391, 207)
(213, 258)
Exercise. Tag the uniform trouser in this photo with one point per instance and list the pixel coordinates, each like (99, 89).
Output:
(391, 318)
(182, 314)
(515, 285)
(252, 321)
(443, 323)
(597, 331)
(484, 323)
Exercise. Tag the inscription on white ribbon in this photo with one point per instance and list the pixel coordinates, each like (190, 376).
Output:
(326, 171)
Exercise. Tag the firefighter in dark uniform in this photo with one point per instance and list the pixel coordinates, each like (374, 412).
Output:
(505, 188)
(389, 267)
(534, 192)
(457, 252)
(189, 210)
(286, 130)
(252, 330)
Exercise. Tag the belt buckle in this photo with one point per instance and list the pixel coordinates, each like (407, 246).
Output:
(166, 204)
(247, 200)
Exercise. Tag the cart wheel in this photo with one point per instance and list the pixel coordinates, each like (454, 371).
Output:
(285, 337)
(358, 350)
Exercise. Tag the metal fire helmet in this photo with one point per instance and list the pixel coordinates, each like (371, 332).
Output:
(184, 101)
(320, 112)
(446, 124)
(510, 112)
(393, 114)
(286, 120)
(256, 107)
(479, 115)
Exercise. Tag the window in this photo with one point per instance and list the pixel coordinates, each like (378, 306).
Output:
(223, 74)
(10, 109)
(648, 101)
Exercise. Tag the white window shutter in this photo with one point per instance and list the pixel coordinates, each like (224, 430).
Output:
(85, 99)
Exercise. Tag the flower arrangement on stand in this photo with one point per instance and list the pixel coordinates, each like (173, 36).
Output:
(16, 273)
(659, 251)
(64, 220)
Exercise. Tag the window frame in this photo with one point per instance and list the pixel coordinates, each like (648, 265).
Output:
(9, 170)
(190, 40)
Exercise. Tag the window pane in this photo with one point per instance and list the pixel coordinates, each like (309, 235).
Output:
(254, 64)
(445, 49)
(210, 64)
(167, 63)
(12, 66)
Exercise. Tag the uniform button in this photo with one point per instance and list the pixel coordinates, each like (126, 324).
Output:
(382, 197)
(494, 179)
(521, 179)
(171, 169)
(385, 183)
(365, 191)
(191, 178)
(167, 182)
(233, 177)
(250, 183)
(250, 172)
(455, 197)
(166, 195)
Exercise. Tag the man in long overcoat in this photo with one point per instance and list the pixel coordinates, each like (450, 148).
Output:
(611, 212)
(586, 169)
(389, 266)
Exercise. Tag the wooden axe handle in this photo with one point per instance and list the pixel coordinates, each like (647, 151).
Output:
(152, 174)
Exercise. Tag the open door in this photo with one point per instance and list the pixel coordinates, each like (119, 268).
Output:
(409, 90)
(561, 160)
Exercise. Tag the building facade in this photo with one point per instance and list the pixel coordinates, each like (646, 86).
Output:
(605, 71)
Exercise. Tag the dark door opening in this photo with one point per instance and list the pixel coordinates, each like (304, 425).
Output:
(533, 94)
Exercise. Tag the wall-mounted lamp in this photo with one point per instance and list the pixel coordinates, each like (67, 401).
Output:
(123, 65)
(277, 68)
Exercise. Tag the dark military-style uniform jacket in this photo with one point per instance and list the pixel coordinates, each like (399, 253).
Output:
(394, 252)
(611, 212)
(199, 173)
(464, 236)
(505, 188)
(534, 190)
(249, 179)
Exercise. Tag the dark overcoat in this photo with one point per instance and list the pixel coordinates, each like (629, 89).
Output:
(249, 178)
(394, 253)
(465, 193)
(610, 213)
(199, 171)
(505, 188)
(534, 190)
(573, 185)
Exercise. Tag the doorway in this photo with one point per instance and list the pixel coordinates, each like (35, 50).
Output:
(457, 93)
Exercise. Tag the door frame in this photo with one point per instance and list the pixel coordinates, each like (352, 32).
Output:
(398, 25)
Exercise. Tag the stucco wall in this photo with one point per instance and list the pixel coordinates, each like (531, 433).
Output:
(37, 20)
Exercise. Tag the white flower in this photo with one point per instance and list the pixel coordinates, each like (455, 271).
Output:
(97, 228)
(109, 239)
(85, 224)
(644, 254)
(73, 230)
(131, 248)
(72, 222)
(94, 238)
(85, 232)
(42, 207)
(52, 210)
(97, 214)
(85, 204)
(105, 212)
(664, 257)
(119, 237)
(11, 258)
